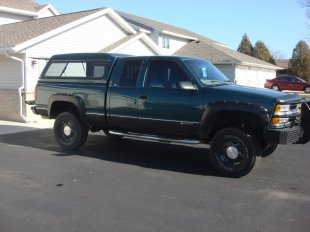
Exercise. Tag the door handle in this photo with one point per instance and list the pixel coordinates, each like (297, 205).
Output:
(143, 97)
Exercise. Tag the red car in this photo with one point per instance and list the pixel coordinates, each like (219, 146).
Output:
(288, 83)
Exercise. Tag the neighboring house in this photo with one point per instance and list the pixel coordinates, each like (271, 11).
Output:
(31, 33)
(285, 65)
(240, 68)
(26, 46)
(12, 11)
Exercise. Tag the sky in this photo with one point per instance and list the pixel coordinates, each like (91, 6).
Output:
(280, 24)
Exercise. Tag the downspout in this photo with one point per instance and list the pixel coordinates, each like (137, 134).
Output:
(22, 87)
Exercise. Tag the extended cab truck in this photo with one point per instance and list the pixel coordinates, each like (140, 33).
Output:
(171, 99)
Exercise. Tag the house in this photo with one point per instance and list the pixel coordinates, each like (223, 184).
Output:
(240, 68)
(26, 46)
(31, 33)
(285, 65)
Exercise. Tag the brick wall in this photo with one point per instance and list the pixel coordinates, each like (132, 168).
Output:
(9, 102)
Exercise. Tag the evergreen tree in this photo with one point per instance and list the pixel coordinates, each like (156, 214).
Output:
(300, 62)
(260, 51)
(245, 46)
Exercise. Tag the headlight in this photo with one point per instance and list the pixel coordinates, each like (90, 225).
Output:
(283, 115)
(282, 108)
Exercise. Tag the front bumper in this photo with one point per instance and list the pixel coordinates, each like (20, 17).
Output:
(284, 136)
(298, 134)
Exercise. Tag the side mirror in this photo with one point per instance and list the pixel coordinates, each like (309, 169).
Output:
(186, 85)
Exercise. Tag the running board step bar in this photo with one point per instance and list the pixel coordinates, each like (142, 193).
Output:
(154, 138)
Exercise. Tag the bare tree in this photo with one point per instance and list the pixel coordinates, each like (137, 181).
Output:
(306, 4)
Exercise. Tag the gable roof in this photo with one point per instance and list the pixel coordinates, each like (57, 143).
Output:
(17, 36)
(17, 33)
(153, 25)
(199, 46)
(27, 5)
(132, 38)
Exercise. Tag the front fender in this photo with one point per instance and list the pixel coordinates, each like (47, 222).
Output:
(210, 117)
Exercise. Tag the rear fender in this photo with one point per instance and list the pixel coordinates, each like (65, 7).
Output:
(76, 101)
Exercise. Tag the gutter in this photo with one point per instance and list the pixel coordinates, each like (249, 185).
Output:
(22, 87)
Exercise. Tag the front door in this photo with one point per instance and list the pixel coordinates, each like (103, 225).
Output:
(165, 109)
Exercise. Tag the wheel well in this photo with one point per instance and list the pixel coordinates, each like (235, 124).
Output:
(250, 122)
(275, 85)
(59, 107)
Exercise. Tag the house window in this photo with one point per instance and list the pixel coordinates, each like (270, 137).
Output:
(165, 42)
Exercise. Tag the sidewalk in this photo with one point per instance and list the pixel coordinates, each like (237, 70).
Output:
(8, 127)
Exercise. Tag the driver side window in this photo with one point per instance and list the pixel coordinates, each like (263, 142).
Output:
(164, 74)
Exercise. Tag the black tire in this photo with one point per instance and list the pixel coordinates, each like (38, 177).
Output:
(112, 136)
(269, 150)
(275, 88)
(69, 131)
(231, 142)
(307, 89)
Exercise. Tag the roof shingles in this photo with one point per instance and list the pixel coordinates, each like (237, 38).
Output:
(17, 33)
(27, 5)
(205, 48)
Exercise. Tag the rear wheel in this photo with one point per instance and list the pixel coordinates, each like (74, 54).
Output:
(232, 152)
(69, 131)
(275, 88)
(307, 89)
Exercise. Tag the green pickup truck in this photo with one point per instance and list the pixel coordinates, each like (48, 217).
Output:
(168, 99)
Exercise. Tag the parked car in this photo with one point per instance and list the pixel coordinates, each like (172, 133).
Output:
(288, 83)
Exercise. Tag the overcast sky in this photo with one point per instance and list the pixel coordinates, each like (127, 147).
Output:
(280, 24)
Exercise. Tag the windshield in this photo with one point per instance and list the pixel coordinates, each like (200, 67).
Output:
(300, 80)
(206, 72)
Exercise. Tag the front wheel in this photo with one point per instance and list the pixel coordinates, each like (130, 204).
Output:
(232, 152)
(69, 131)
(307, 89)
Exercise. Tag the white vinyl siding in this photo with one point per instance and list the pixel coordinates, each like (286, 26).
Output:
(92, 36)
(10, 73)
(137, 48)
(89, 37)
(174, 43)
(34, 67)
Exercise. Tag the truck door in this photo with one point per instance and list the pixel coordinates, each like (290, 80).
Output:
(122, 94)
(163, 107)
